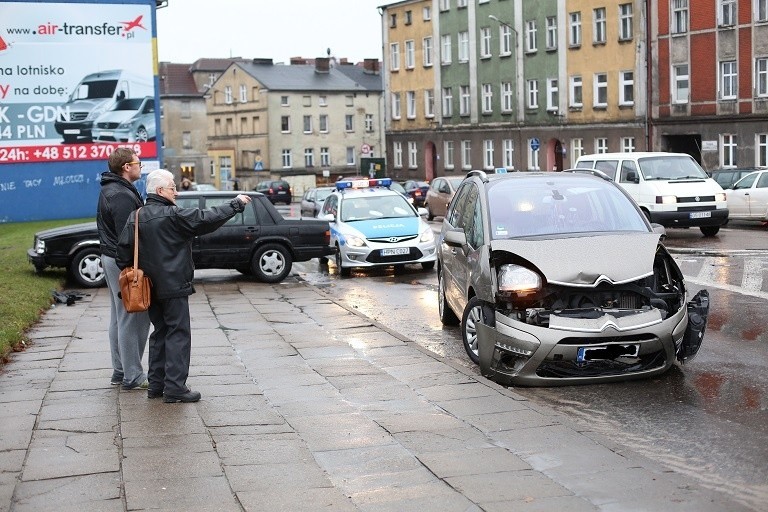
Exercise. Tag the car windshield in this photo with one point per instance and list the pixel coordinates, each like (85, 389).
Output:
(545, 206)
(322, 193)
(455, 182)
(397, 187)
(670, 167)
(375, 207)
(129, 104)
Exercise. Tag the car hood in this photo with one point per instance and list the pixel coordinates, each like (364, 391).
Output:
(588, 260)
(116, 116)
(688, 187)
(85, 228)
(378, 228)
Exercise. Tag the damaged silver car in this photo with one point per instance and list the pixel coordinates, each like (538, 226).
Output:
(558, 278)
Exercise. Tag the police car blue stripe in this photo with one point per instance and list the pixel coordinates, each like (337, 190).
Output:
(378, 228)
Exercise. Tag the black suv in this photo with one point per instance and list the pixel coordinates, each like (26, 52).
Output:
(277, 191)
(258, 241)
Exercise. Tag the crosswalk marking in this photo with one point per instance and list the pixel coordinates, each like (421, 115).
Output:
(738, 274)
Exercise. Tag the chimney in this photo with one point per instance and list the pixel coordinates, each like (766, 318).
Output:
(260, 60)
(322, 65)
(371, 66)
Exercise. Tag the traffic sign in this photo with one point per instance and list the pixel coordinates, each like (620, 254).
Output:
(535, 144)
(365, 148)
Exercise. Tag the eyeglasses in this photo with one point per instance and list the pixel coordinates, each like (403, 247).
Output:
(172, 187)
(141, 165)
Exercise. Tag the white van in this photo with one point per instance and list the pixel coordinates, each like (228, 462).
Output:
(95, 94)
(671, 188)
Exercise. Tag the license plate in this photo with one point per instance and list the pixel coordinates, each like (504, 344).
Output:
(396, 251)
(72, 131)
(700, 215)
(107, 134)
(598, 352)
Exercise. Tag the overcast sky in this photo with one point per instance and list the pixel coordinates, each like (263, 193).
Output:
(279, 29)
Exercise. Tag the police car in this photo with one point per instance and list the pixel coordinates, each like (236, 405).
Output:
(374, 226)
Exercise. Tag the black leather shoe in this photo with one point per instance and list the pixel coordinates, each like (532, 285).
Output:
(152, 393)
(189, 396)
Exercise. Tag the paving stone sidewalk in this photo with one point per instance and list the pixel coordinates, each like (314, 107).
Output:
(306, 406)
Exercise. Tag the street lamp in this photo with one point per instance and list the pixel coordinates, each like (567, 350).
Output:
(510, 27)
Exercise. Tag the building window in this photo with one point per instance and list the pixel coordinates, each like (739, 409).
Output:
(508, 146)
(323, 123)
(243, 94)
(448, 154)
(761, 149)
(461, 3)
(426, 13)
(625, 22)
(284, 101)
(488, 154)
(576, 92)
(487, 98)
(447, 102)
(598, 25)
(349, 100)
(533, 93)
(530, 36)
(410, 105)
(393, 20)
(577, 149)
(727, 13)
(464, 105)
(601, 90)
(309, 157)
(369, 123)
(395, 105)
(679, 16)
(186, 111)
(445, 55)
(229, 128)
(410, 54)
(307, 124)
(626, 88)
(325, 157)
(485, 42)
(350, 156)
(394, 56)
(412, 156)
(444, 5)
(680, 85)
(408, 17)
(553, 99)
(349, 125)
(429, 103)
(727, 151)
(228, 95)
(463, 42)
(533, 158)
(322, 100)
(601, 145)
(505, 40)
(761, 77)
(427, 51)
(217, 127)
(627, 144)
(507, 98)
(466, 154)
(397, 151)
(306, 100)
(285, 124)
(728, 80)
(761, 10)
(287, 159)
(551, 33)
(186, 140)
(574, 33)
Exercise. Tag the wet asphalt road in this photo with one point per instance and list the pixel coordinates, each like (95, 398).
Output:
(708, 419)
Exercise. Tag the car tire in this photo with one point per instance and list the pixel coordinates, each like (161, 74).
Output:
(343, 271)
(709, 230)
(473, 314)
(87, 270)
(142, 135)
(428, 265)
(271, 263)
(447, 316)
(430, 215)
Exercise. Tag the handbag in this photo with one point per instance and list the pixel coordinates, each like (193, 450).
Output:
(135, 287)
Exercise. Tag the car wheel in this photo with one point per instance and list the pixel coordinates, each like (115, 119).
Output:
(86, 268)
(428, 265)
(473, 315)
(447, 316)
(271, 263)
(341, 270)
(141, 134)
(709, 230)
(430, 215)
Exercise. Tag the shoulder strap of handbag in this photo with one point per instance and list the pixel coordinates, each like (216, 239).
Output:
(136, 246)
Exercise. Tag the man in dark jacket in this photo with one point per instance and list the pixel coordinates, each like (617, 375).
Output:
(165, 255)
(127, 331)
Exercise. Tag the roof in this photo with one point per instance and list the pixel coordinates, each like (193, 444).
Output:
(636, 154)
(176, 80)
(305, 78)
(215, 64)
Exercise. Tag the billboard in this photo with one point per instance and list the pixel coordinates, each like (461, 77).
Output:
(77, 80)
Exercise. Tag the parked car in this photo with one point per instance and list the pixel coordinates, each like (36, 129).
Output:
(417, 190)
(727, 177)
(312, 201)
(130, 120)
(277, 191)
(559, 278)
(202, 187)
(748, 199)
(399, 188)
(372, 225)
(258, 241)
(439, 195)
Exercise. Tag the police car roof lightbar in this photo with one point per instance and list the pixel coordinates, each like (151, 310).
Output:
(371, 183)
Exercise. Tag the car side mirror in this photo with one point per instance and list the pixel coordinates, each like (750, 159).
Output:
(455, 237)
(329, 217)
(633, 177)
